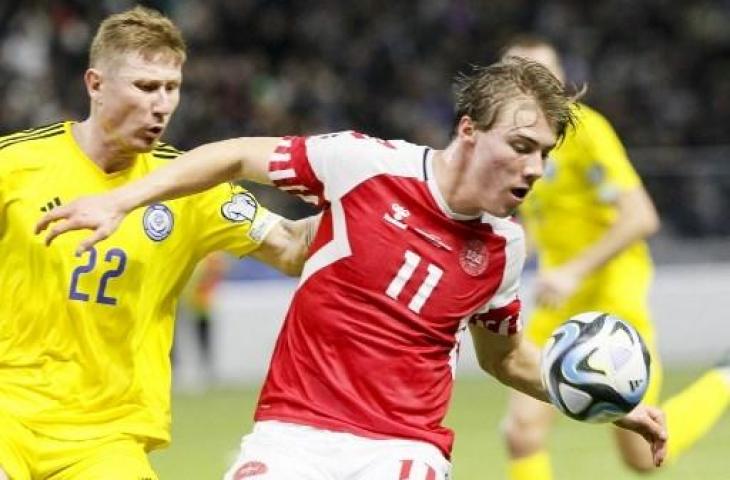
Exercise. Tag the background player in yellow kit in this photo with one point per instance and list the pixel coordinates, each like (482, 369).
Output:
(587, 219)
(85, 338)
(195, 309)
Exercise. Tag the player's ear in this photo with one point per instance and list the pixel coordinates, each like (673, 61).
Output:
(92, 80)
(466, 129)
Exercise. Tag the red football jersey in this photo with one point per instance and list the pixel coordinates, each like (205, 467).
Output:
(370, 341)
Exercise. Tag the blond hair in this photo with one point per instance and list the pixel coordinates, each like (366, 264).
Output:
(482, 94)
(140, 30)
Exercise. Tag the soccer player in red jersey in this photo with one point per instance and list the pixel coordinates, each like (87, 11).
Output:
(414, 247)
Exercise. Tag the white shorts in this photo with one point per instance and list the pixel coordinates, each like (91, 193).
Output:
(286, 451)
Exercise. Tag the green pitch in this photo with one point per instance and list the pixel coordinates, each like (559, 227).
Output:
(207, 429)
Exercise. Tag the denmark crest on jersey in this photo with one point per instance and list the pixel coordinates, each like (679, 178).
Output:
(240, 208)
(474, 257)
(157, 222)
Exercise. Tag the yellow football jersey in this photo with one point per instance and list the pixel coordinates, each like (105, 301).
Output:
(573, 206)
(85, 340)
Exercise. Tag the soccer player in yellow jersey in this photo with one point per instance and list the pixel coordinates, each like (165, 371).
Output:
(587, 219)
(85, 337)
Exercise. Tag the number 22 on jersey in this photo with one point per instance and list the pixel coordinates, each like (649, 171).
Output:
(114, 263)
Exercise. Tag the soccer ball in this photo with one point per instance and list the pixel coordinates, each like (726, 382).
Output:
(595, 367)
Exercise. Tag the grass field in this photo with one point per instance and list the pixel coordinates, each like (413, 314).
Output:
(207, 429)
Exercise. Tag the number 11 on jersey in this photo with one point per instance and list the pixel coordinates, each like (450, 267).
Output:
(411, 262)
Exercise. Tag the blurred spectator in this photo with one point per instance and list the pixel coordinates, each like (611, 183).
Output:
(277, 66)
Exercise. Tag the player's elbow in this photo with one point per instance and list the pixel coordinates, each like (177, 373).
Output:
(497, 367)
(650, 223)
(293, 269)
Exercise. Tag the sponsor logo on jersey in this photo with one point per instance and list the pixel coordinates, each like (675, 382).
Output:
(399, 214)
(51, 204)
(240, 208)
(250, 469)
(158, 222)
(473, 257)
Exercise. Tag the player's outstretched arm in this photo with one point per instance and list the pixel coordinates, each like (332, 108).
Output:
(650, 423)
(192, 172)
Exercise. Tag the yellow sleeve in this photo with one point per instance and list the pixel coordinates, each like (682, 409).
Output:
(3, 186)
(230, 218)
(608, 166)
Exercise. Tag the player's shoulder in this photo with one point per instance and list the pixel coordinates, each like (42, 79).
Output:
(36, 137)
(165, 151)
(354, 140)
(589, 118)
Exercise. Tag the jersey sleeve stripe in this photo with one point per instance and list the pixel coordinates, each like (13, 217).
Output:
(280, 156)
(32, 131)
(504, 320)
(294, 188)
(313, 199)
(167, 146)
(282, 174)
(285, 143)
(289, 170)
(27, 138)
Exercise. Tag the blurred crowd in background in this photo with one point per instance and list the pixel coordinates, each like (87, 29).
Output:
(658, 69)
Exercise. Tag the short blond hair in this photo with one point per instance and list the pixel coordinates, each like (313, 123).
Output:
(139, 29)
(487, 90)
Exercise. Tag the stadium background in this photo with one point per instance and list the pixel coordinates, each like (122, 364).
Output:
(658, 69)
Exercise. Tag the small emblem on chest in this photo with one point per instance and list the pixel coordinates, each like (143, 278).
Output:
(158, 222)
(399, 214)
(474, 257)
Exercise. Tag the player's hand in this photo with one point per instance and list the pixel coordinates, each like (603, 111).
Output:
(553, 287)
(98, 213)
(649, 422)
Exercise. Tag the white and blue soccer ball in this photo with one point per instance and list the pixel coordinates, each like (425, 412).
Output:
(595, 367)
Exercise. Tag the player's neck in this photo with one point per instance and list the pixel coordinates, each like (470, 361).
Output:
(449, 180)
(104, 151)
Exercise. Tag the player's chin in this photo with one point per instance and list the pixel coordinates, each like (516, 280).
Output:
(145, 143)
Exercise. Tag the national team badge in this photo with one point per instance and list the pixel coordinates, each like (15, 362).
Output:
(240, 208)
(158, 222)
(250, 469)
(474, 257)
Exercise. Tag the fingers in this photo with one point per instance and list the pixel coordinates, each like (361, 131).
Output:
(58, 229)
(659, 452)
(652, 426)
(659, 442)
(89, 242)
(50, 217)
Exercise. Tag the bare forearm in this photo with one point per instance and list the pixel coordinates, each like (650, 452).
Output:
(200, 169)
(513, 361)
(521, 371)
